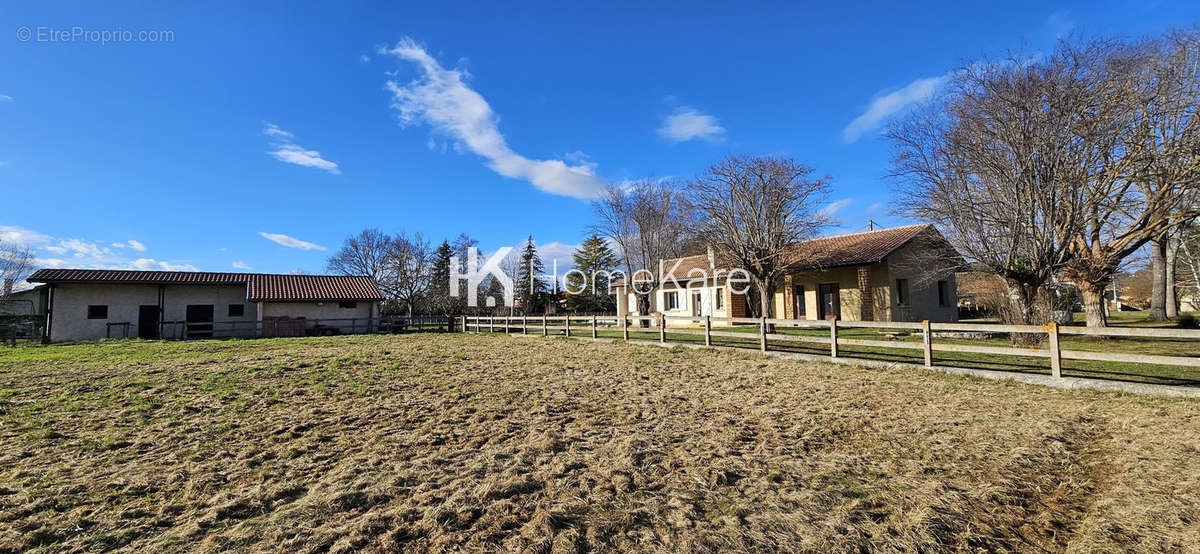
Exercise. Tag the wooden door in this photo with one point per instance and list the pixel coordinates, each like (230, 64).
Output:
(147, 322)
(199, 321)
(830, 305)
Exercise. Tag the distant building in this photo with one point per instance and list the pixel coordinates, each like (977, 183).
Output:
(84, 304)
(897, 274)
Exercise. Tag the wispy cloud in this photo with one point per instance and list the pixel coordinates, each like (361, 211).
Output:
(290, 242)
(687, 123)
(885, 106)
(55, 252)
(5, 98)
(287, 151)
(831, 209)
(441, 98)
(130, 244)
(241, 265)
(1060, 23)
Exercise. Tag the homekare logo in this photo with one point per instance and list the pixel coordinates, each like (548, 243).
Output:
(642, 281)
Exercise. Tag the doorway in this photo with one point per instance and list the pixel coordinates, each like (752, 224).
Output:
(147, 325)
(199, 321)
(697, 306)
(799, 307)
(830, 305)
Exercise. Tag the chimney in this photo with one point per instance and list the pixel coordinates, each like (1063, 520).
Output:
(712, 258)
(8, 287)
(870, 225)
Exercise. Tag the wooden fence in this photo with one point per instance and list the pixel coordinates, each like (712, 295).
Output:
(567, 325)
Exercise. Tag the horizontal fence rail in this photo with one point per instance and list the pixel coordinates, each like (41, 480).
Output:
(926, 335)
(281, 327)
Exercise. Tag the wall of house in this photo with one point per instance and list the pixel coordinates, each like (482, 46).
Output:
(337, 316)
(71, 301)
(923, 275)
(708, 301)
(850, 295)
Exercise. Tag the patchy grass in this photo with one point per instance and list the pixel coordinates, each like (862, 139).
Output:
(494, 443)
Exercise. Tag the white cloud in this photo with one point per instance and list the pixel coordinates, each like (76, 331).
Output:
(83, 254)
(687, 123)
(885, 106)
(364, 59)
(12, 233)
(290, 242)
(287, 151)
(559, 252)
(241, 265)
(5, 98)
(440, 98)
(836, 206)
(150, 264)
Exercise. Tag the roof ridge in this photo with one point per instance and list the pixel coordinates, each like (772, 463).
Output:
(867, 232)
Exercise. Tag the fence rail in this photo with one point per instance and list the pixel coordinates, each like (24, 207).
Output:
(925, 330)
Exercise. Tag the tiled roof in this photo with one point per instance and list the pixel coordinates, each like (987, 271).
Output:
(852, 249)
(260, 287)
(836, 251)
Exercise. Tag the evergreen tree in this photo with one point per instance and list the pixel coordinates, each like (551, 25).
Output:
(531, 291)
(439, 287)
(589, 292)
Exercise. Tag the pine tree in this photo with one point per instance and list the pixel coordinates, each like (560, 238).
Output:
(530, 289)
(439, 287)
(587, 288)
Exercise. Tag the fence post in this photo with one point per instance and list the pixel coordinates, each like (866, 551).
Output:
(524, 325)
(567, 324)
(927, 341)
(662, 327)
(507, 323)
(762, 333)
(464, 324)
(545, 326)
(491, 324)
(833, 345)
(594, 333)
(625, 327)
(708, 330)
(1055, 351)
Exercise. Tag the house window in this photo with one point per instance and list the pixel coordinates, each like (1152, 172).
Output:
(672, 300)
(237, 310)
(901, 292)
(347, 304)
(943, 293)
(801, 303)
(97, 312)
(719, 299)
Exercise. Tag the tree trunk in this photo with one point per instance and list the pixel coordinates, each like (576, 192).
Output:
(1172, 298)
(1158, 270)
(1093, 302)
(643, 301)
(1020, 311)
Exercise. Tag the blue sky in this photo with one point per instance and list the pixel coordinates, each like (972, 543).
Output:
(256, 137)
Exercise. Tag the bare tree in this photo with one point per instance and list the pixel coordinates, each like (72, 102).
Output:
(1144, 135)
(648, 221)
(409, 268)
(366, 253)
(16, 260)
(752, 209)
(986, 162)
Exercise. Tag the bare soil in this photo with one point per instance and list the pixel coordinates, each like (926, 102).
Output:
(492, 443)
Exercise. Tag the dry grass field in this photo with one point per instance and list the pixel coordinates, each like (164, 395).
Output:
(493, 443)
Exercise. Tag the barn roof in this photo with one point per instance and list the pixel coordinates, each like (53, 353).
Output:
(260, 287)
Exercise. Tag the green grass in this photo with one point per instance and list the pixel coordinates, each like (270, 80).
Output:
(1123, 371)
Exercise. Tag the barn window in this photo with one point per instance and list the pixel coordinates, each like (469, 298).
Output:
(672, 300)
(347, 304)
(901, 292)
(237, 310)
(97, 312)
